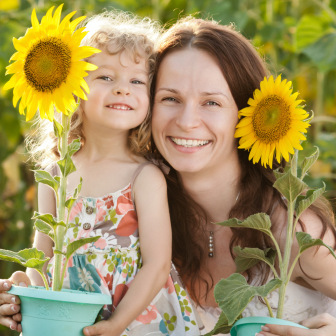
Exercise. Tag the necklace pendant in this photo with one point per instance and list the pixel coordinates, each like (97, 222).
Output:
(211, 254)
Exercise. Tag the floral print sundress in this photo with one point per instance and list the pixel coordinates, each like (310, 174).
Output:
(110, 265)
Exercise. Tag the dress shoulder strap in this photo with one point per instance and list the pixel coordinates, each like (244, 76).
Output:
(135, 175)
(138, 171)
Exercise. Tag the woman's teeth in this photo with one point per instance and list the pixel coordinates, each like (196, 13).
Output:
(119, 107)
(189, 143)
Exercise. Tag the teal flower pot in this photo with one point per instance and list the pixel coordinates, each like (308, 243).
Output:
(249, 326)
(63, 313)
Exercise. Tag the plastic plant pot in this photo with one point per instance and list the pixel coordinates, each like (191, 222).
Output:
(249, 326)
(52, 313)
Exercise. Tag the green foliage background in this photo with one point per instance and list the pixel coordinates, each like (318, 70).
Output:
(297, 38)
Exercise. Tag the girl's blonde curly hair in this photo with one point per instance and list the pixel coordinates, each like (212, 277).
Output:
(126, 32)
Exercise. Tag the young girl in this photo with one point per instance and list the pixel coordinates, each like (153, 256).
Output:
(124, 196)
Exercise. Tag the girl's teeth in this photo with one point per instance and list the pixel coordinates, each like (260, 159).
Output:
(189, 143)
(120, 107)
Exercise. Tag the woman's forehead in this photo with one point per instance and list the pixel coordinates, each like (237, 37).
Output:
(191, 67)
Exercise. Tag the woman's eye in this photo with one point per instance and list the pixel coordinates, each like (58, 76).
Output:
(105, 78)
(212, 103)
(169, 99)
(136, 81)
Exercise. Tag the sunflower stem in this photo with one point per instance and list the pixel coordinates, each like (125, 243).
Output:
(60, 230)
(289, 243)
(268, 307)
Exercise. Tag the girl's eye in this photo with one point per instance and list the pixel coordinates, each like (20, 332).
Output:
(136, 81)
(105, 78)
(169, 99)
(212, 103)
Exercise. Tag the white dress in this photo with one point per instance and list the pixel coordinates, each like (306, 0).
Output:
(300, 304)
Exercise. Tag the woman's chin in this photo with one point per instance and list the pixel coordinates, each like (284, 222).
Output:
(186, 165)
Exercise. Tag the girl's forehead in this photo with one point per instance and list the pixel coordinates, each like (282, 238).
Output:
(124, 58)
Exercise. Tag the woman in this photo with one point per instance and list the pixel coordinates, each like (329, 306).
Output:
(205, 73)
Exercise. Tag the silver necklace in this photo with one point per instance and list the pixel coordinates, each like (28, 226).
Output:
(211, 237)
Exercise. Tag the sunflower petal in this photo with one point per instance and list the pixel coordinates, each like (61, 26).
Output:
(243, 131)
(74, 23)
(271, 155)
(244, 122)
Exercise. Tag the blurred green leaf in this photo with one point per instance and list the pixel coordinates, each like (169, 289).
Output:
(323, 52)
(311, 28)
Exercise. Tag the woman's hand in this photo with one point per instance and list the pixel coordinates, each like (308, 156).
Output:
(319, 325)
(10, 304)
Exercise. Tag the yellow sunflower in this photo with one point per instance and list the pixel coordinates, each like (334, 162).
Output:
(48, 67)
(273, 123)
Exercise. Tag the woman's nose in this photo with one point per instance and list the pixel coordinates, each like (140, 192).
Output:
(121, 89)
(188, 118)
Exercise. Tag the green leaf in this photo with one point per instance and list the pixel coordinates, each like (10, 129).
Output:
(74, 147)
(306, 241)
(305, 202)
(66, 165)
(79, 188)
(323, 52)
(248, 257)
(277, 173)
(311, 28)
(58, 129)
(32, 257)
(70, 202)
(259, 221)
(290, 186)
(234, 293)
(221, 326)
(75, 245)
(48, 219)
(41, 176)
(44, 228)
(308, 162)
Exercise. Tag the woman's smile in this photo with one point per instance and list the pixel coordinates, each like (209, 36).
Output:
(187, 145)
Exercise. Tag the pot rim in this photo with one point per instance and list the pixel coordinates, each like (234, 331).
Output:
(263, 320)
(66, 295)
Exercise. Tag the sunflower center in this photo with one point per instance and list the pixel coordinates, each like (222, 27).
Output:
(47, 64)
(271, 119)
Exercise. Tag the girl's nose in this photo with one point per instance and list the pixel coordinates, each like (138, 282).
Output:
(188, 118)
(121, 89)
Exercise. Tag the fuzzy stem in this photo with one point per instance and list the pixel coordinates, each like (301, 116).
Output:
(63, 272)
(278, 250)
(289, 243)
(268, 307)
(60, 230)
(292, 268)
(44, 280)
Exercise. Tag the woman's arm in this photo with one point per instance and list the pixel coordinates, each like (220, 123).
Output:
(318, 266)
(319, 325)
(150, 192)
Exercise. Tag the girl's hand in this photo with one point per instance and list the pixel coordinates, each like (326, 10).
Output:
(102, 328)
(10, 304)
(320, 325)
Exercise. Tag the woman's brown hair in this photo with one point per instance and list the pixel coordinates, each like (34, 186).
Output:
(243, 70)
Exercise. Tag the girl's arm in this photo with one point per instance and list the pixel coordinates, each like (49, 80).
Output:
(150, 191)
(46, 204)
